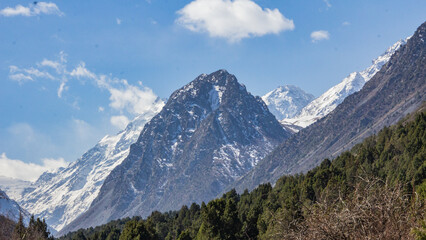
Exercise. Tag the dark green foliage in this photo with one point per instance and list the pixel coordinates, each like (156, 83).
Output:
(138, 230)
(20, 230)
(36, 230)
(220, 218)
(396, 156)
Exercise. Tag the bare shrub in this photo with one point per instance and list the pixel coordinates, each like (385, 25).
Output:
(374, 210)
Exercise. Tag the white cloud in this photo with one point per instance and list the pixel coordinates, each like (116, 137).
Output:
(101, 109)
(62, 88)
(81, 72)
(118, 21)
(320, 35)
(134, 99)
(119, 121)
(23, 75)
(20, 78)
(33, 9)
(28, 171)
(232, 19)
(125, 98)
(55, 65)
(346, 23)
(38, 73)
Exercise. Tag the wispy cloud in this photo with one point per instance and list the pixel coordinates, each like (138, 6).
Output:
(320, 35)
(232, 19)
(20, 78)
(28, 171)
(120, 121)
(346, 23)
(34, 9)
(125, 98)
(118, 21)
(23, 75)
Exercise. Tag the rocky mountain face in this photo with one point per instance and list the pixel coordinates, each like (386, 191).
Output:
(396, 90)
(286, 101)
(329, 100)
(11, 209)
(210, 133)
(61, 196)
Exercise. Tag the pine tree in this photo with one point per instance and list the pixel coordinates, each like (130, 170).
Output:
(20, 231)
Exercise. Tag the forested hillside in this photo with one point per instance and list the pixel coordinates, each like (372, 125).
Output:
(375, 191)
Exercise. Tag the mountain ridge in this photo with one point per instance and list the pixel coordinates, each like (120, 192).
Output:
(330, 99)
(286, 101)
(209, 133)
(396, 90)
(61, 196)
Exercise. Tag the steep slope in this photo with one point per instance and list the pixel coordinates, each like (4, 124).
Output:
(210, 132)
(11, 209)
(329, 100)
(62, 196)
(286, 101)
(396, 90)
(395, 156)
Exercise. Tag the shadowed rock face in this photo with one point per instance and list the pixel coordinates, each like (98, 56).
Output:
(209, 133)
(396, 90)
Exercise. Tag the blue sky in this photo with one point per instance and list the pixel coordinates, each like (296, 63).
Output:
(73, 71)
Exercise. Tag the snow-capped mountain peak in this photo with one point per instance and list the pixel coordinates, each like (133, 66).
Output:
(62, 196)
(286, 101)
(329, 100)
(210, 132)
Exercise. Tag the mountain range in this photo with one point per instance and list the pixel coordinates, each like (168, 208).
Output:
(61, 196)
(210, 133)
(329, 100)
(396, 90)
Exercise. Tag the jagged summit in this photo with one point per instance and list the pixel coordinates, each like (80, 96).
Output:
(329, 100)
(286, 101)
(392, 93)
(220, 79)
(210, 132)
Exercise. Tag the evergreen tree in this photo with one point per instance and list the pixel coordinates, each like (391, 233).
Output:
(20, 230)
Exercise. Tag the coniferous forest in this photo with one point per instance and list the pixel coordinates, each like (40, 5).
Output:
(375, 191)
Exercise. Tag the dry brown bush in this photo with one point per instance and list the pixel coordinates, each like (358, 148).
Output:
(375, 210)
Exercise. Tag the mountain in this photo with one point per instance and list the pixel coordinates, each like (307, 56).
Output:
(321, 204)
(62, 196)
(286, 101)
(396, 90)
(209, 133)
(11, 209)
(15, 188)
(329, 100)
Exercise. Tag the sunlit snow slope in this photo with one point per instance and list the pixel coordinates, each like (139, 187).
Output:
(62, 196)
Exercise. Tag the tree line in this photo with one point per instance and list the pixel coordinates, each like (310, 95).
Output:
(375, 191)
